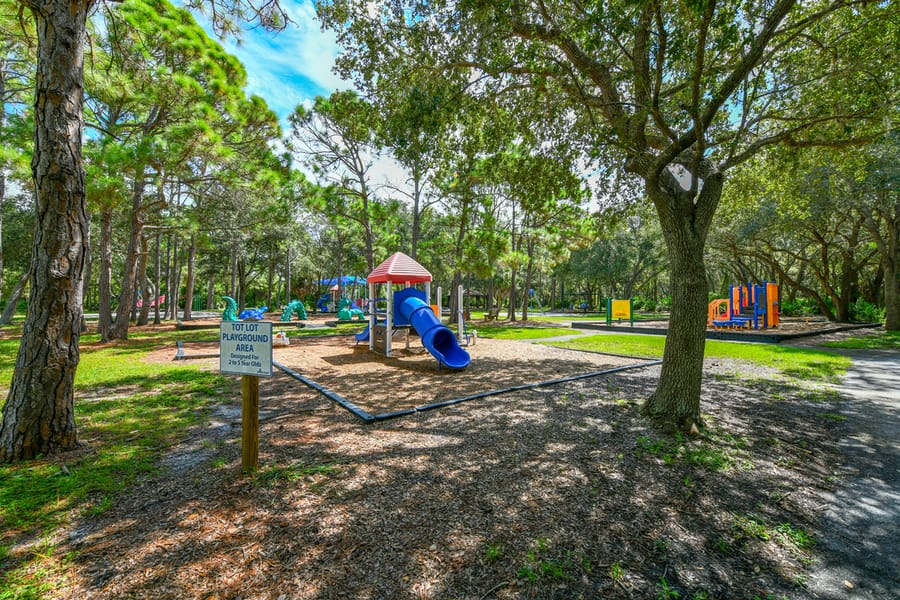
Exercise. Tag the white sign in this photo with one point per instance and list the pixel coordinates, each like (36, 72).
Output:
(245, 348)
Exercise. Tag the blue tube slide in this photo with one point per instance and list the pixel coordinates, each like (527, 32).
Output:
(436, 336)
(363, 336)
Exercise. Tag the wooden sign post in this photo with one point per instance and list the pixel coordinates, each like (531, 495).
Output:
(245, 349)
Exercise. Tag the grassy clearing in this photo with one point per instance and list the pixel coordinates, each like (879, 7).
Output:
(128, 412)
(502, 332)
(801, 363)
(885, 340)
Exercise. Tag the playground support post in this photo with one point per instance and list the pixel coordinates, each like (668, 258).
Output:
(440, 302)
(389, 320)
(460, 313)
(249, 423)
(373, 318)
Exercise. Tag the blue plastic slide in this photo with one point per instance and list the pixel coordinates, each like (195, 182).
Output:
(436, 336)
(363, 336)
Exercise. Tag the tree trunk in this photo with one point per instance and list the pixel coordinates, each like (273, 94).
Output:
(233, 291)
(211, 293)
(3, 67)
(39, 415)
(119, 329)
(158, 280)
(105, 300)
(270, 281)
(10, 311)
(177, 264)
(416, 214)
(86, 279)
(191, 274)
(242, 284)
(174, 280)
(149, 290)
(529, 273)
(685, 223)
(287, 276)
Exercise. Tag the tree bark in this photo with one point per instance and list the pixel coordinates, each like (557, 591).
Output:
(157, 280)
(119, 329)
(172, 278)
(39, 414)
(10, 311)
(177, 264)
(287, 283)
(86, 279)
(149, 291)
(105, 300)
(685, 223)
(191, 275)
(211, 292)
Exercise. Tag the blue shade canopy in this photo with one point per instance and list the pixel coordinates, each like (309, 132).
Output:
(345, 280)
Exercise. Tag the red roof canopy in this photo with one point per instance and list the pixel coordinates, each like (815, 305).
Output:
(399, 268)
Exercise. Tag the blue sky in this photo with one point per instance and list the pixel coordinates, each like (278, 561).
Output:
(290, 67)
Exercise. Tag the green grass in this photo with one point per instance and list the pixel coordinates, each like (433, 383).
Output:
(801, 363)
(127, 413)
(713, 450)
(503, 332)
(544, 562)
(886, 340)
(786, 534)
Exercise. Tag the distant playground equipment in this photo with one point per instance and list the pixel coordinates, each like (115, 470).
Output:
(534, 300)
(255, 314)
(619, 309)
(329, 301)
(160, 301)
(230, 313)
(748, 306)
(407, 308)
(346, 311)
(295, 306)
(322, 302)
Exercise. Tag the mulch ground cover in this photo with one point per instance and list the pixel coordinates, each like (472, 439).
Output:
(558, 492)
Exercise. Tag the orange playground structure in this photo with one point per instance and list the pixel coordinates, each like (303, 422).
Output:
(747, 307)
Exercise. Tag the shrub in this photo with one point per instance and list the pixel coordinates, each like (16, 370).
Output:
(866, 312)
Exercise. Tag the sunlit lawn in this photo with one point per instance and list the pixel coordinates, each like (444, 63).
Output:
(803, 363)
(520, 333)
(885, 340)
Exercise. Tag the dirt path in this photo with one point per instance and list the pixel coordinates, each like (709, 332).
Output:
(860, 524)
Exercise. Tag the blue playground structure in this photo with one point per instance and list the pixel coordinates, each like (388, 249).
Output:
(410, 309)
(749, 306)
(256, 314)
(322, 302)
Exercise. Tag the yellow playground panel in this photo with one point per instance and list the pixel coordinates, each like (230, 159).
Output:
(619, 309)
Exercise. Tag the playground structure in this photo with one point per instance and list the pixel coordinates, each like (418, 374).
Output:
(295, 306)
(159, 301)
(534, 301)
(255, 314)
(747, 307)
(410, 308)
(322, 302)
(346, 311)
(619, 309)
(230, 313)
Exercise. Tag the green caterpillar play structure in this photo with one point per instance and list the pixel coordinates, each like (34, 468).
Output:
(295, 306)
(230, 313)
(346, 312)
